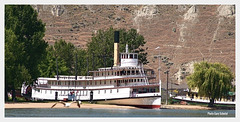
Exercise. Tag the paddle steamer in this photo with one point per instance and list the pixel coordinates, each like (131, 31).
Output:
(125, 83)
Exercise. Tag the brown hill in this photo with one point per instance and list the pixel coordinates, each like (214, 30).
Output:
(185, 33)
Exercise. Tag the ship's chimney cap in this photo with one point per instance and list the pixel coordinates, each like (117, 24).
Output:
(116, 36)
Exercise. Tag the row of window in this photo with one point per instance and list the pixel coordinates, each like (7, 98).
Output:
(84, 83)
(118, 73)
(129, 56)
(73, 77)
(146, 90)
(106, 91)
(81, 93)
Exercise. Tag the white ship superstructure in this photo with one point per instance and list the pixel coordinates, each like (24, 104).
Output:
(126, 83)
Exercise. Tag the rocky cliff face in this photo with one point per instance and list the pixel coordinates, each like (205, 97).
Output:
(185, 33)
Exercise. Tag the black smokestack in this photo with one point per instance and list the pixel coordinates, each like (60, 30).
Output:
(116, 36)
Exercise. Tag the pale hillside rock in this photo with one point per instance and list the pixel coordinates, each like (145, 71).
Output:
(191, 14)
(226, 10)
(145, 12)
(184, 70)
(58, 10)
(190, 17)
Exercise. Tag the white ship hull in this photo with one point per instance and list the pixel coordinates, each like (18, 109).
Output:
(120, 96)
(142, 102)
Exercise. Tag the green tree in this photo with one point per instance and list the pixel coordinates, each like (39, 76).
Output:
(24, 45)
(81, 62)
(213, 80)
(15, 72)
(66, 52)
(48, 67)
(102, 43)
(98, 54)
(66, 55)
(135, 43)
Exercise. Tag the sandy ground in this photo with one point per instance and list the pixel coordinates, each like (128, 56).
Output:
(59, 105)
(74, 105)
(101, 106)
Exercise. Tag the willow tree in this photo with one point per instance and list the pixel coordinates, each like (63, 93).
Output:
(213, 80)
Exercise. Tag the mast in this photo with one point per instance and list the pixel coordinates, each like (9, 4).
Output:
(76, 67)
(93, 61)
(87, 68)
(159, 66)
(57, 68)
(126, 48)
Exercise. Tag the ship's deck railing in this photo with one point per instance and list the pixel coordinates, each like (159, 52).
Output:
(117, 68)
(114, 86)
(145, 94)
(85, 77)
(43, 85)
(118, 77)
(132, 85)
(65, 77)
